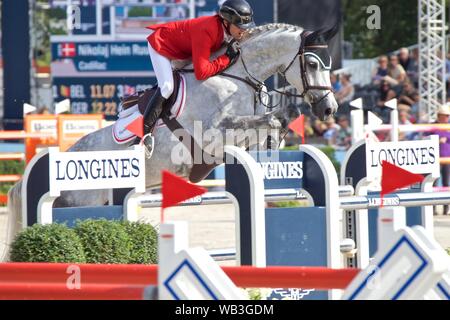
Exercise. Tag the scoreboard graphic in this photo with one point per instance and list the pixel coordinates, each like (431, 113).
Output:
(94, 75)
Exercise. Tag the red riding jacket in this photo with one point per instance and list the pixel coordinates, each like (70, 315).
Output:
(194, 38)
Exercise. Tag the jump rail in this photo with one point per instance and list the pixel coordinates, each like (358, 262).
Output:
(220, 197)
(394, 200)
(49, 280)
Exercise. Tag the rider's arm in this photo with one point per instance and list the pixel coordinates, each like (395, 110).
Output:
(201, 52)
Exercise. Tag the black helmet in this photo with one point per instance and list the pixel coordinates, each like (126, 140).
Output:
(237, 12)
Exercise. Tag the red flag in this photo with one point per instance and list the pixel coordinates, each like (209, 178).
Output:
(175, 189)
(394, 177)
(298, 126)
(137, 126)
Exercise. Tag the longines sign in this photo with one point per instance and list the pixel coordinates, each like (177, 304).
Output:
(421, 156)
(90, 170)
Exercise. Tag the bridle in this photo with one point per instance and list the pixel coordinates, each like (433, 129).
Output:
(303, 51)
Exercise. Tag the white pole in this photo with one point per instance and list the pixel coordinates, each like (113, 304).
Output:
(191, 9)
(99, 17)
(392, 104)
(389, 221)
(357, 123)
(357, 120)
(112, 21)
(394, 123)
(69, 7)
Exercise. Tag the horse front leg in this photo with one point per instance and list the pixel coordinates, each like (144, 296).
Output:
(250, 131)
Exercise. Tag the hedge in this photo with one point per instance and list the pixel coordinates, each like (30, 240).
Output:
(47, 243)
(91, 241)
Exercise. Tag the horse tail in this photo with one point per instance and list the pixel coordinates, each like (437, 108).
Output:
(13, 219)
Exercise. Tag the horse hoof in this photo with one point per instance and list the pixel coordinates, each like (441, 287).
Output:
(149, 142)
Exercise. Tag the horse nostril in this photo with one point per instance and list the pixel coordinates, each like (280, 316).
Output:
(328, 112)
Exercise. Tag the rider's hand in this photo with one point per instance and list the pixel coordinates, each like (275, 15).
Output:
(232, 50)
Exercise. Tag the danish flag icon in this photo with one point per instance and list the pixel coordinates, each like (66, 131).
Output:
(67, 50)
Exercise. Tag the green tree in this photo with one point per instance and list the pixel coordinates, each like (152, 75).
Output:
(398, 26)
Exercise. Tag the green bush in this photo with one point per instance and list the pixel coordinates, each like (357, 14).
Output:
(104, 241)
(47, 243)
(140, 12)
(330, 152)
(144, 241)
(10, 167)
(92, 241)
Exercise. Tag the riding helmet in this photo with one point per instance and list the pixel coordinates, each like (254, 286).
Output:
(237, 12)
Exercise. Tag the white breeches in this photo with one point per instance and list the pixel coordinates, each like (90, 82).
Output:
(163, 71)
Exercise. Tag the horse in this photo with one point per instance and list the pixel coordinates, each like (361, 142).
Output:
(231, 100)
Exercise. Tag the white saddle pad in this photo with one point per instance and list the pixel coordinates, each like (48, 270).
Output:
(121, 135)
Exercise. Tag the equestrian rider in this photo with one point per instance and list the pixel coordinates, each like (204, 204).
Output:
(194, 39)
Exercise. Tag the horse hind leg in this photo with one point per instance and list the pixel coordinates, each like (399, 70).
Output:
(14, 221)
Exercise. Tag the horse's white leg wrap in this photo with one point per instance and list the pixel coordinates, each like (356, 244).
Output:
(163, 71)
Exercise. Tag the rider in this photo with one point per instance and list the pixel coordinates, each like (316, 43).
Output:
(194, 39)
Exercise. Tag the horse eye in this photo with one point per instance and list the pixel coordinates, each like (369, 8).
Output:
(313, 65)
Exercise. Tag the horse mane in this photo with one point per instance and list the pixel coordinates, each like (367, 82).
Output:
(272, 27)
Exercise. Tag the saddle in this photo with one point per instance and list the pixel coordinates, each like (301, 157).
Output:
(141, 98)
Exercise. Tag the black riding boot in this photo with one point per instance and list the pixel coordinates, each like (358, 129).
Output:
(153, 111)
(151, 114)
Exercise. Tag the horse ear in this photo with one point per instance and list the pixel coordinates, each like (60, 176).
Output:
(331, 32)
(310, 37)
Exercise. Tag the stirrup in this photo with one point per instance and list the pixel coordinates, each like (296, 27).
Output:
(149, 143)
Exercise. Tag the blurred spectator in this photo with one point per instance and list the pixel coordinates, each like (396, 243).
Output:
(413, 72)
(343, 137)
(319, 127)
(347, 91)
(404, 59)
(409, 96)
(404, 118)
(381, 71)
(335, 83)
(396, 73)
(331, 131)
(386, 94)
(42, 110)
(309, 131)
(443, 115)
(409, 64)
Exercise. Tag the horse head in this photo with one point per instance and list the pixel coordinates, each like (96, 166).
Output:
(313, 60)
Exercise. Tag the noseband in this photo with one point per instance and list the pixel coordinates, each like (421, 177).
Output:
(302, 52)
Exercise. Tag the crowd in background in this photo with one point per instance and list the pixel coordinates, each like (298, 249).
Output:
(395, 76)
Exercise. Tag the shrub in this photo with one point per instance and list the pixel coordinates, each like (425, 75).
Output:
(47, 243)
(144, 241)
(104, 241)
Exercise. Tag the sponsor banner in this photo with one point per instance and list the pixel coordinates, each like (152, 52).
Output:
(375, 202)
(96, 170)
(71, 128)
(281, 170)
(41, 123)
(420, 157)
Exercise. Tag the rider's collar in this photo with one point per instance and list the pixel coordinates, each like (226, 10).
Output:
(226, 37)
(321, 53)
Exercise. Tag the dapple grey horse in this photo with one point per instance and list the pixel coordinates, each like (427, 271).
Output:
(222, 103)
